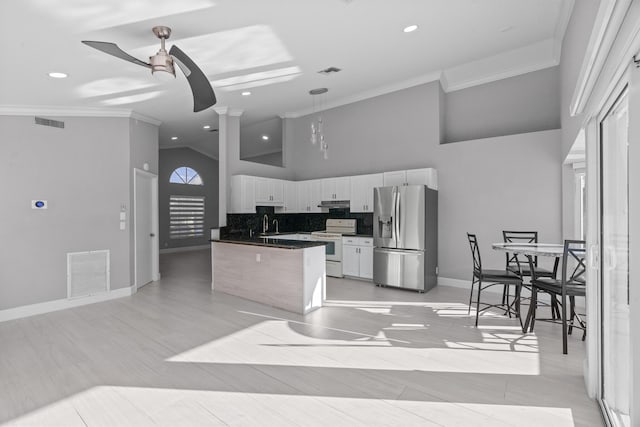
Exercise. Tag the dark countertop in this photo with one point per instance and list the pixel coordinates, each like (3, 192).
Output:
(271, 243)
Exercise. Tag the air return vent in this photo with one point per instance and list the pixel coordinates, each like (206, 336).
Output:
(48, 122)
(87, 273)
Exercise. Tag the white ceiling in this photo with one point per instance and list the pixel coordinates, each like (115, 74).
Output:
(272, 48)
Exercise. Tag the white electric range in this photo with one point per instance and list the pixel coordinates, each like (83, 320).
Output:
(332, 235)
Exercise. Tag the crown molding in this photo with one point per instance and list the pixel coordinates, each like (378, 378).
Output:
(382, 90)
(221, 110)
(47, 110)
(527, 59)
(137, 116)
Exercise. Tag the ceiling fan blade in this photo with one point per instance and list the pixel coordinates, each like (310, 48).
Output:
(203, 96)
(113, 49)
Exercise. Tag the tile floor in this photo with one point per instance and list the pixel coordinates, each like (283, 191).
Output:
(176, 354)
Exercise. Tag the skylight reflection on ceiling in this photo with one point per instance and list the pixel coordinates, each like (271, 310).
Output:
(114, 85)
(257, 79)
(131, 99)
(228, 51)
(93, 15)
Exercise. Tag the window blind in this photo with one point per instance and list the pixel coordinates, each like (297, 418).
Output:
(186, 217)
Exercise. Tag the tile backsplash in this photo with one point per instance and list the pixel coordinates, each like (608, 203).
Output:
(240, 224)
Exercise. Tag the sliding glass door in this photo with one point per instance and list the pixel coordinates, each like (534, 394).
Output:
(614, 261)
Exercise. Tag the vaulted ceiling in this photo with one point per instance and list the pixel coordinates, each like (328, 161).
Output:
(272, 48)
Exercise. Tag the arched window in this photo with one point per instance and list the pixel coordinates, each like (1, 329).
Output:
(185, 175)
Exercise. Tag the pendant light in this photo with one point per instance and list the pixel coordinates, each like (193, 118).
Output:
(317, 125)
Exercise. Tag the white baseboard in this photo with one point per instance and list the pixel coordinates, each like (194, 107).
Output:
(61, 304)
(184, 249)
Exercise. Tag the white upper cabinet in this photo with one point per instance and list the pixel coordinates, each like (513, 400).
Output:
(425, 176)
(269, 192)
(309, 195)
(336, 188)
(362, 191)
(242, 194)
(395, 178)
(290, 198)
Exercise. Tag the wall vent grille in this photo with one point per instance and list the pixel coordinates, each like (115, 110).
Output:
(49, 122)
(87, 273)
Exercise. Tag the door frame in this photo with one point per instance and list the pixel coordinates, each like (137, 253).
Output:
(155, 249)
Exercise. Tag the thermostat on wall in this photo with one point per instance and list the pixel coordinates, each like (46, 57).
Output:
(38, 204)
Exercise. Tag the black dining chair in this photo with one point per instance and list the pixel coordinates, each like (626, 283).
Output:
(571, 285)
(486, 278)
(520, 265)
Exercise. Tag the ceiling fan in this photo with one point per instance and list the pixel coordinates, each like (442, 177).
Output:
(203, 96)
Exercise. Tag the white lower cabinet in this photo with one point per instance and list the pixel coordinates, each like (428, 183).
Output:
(357, 257)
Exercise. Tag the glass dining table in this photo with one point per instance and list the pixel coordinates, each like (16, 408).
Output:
(531, 251)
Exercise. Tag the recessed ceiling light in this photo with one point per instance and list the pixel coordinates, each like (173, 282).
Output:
(246, 93)
(58, 75)
(206, 127)
(174, 138)
(410, 28)
(265, 137)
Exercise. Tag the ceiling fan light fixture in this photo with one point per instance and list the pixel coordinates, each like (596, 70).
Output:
(162, 61)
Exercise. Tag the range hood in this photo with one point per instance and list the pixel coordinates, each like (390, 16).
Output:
(335, 204)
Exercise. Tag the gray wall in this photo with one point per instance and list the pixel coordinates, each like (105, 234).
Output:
(519, 176)
(399, 130)
(170, 159)
(520, 104)
(495, 184)
(83, 173)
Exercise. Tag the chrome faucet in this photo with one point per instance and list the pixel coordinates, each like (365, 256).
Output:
(265, 223)
(275, 221)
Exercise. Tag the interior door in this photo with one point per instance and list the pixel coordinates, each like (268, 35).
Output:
(145, 235)
(614, 268)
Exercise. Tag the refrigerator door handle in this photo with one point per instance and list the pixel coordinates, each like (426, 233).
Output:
(398, 225)
(394, 218)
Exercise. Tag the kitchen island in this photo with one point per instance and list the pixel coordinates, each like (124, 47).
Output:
(288, 274)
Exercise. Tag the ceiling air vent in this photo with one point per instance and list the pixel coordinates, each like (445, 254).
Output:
(48, 122)
(212, 130)
(330, 70)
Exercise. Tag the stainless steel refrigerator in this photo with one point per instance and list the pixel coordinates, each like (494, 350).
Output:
(405, 232)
